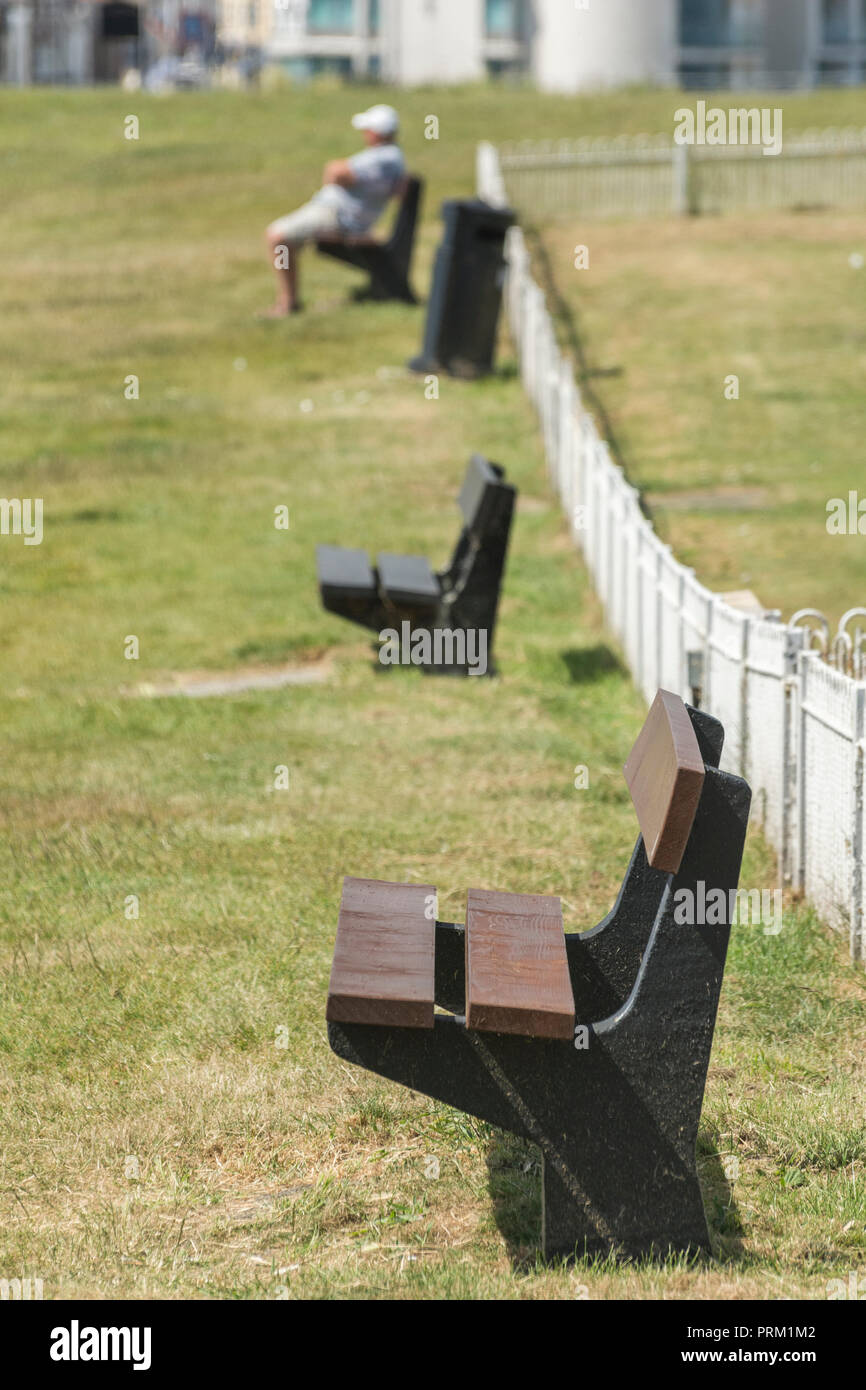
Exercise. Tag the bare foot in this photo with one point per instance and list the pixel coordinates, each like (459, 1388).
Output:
(279, 311)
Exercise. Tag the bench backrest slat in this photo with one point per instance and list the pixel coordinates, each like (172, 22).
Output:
(517, 977)
(483, 480)
(383, 970)
(665, 776)
(403, 232)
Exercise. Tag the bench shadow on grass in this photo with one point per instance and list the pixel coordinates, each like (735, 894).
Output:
(588, 664)
(514, 1169)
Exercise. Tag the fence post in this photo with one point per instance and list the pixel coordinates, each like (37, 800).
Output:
(564, 424)
(804, 663)
(682, 181)
(794, 644)
(639, 632)
(659, 618)
(577, 495)
(527, 336)
(744, 699)
(682, 659)
(856, 928)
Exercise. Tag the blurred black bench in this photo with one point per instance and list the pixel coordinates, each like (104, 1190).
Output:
(387, 262)
(403, 588)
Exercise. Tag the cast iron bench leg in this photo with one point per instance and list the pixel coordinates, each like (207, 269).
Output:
(637, 1102)
(443, 1062)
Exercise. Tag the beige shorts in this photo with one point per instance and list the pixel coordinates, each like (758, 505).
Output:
(307, 223)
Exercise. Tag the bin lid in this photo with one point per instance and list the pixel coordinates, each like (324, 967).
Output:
(477, 210)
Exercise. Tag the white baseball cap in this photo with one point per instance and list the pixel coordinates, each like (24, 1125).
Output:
(382, 120)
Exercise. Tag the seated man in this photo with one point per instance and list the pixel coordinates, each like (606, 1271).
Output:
(354, 196)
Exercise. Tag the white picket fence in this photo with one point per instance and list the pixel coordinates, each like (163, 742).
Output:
(652, 176)
(795, 726)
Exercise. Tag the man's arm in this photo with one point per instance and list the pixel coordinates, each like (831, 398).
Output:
(339, 171)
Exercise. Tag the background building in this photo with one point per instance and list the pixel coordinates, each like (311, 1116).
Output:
(562, 45)
(783, 43)
(84, 41)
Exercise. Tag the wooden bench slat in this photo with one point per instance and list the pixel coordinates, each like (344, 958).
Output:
(517, 978)
(383, 970)
(665, 775)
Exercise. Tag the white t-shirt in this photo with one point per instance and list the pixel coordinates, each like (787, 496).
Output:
(378, 170)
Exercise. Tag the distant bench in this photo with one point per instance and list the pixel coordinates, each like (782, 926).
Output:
(593, 1046)
(464, 597)
(387, 263)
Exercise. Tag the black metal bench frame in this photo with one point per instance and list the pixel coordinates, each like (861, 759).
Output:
(616, 1122)
(461, 598)
(388, 263)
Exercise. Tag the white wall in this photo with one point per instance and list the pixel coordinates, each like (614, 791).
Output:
(610, 43)
(80, 43)
(19, 45)
(432, 40)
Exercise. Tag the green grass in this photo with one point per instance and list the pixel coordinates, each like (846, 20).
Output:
(666, 313)
(175, 1124)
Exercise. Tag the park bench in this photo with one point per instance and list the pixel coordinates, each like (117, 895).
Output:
(594, 1046)
(387, 262)
(463, 598)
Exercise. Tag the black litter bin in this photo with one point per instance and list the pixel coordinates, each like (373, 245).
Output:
(463, 312)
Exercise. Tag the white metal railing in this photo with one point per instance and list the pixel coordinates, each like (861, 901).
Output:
(795, 726)
(652, 175)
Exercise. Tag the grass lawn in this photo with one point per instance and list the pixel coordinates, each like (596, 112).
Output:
(175, 1124)
(666, 313)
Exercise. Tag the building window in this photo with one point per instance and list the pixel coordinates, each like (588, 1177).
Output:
(835, 17)
(705, 77)
(505, 70)
(374, 16)
(705, 23)
(503, 19)
(298, 69)
(834, 75)
(119, 21)
(331, 17)
(746, 24)
(303, 69)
